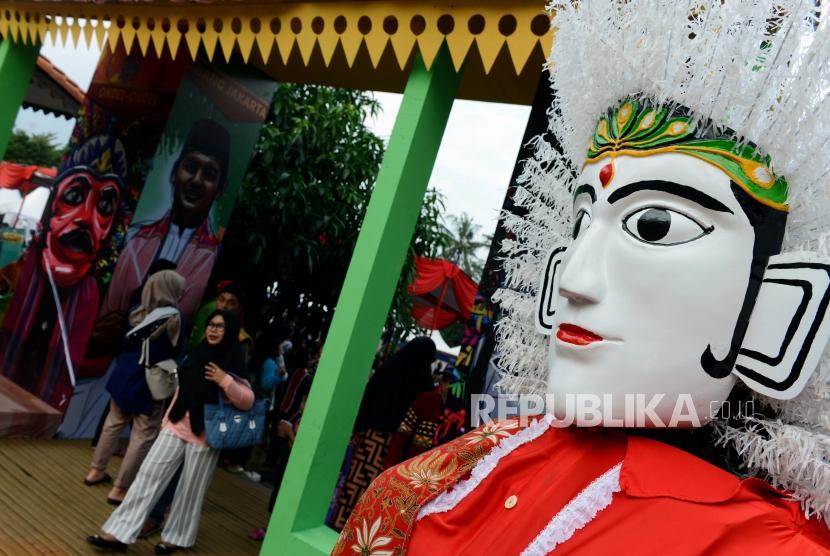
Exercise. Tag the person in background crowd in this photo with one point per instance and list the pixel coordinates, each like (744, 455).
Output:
(390, 393)
(131, 399)
(268, 370)
(417, 432)
(92, 365)
(230, 297)
(203, 377)
(292, 395)
(274, 371)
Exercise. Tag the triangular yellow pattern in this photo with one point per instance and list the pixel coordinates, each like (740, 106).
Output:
(351, 40)
(173, 42)
(328, 41)
(402, 44)
(113, 35)
(193, 38)
(32, 29)
(306, 40)
(489, 44)
(227, 40)
(88, 29)
(14, 28)
(209, 40)
(429, 43)
(376, 40)
(128, 36)
(75, 33)
(459, 44)
(63, 32)
(22, 29)
(52, 30)
(521, 42)
(245, 39)
(265, 42)
(157, 37)
(285, 41)
(42, 28)
(143, 38)
(100, 33)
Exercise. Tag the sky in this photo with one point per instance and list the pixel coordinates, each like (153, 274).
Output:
(472, 170)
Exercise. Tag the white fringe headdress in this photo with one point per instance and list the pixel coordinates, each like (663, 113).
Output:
(758, 67)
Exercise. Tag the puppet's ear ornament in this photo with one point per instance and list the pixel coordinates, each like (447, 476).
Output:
(548, 292)
(789, 327)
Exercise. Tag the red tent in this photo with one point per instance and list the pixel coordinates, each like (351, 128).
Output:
(443, 294)
(25, 178)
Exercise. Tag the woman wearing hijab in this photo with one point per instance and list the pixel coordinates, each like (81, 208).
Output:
(131, 399)
(215, 367)
(389, 394)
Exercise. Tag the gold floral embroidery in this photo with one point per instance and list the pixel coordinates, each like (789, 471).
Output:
(469, 458)
(393, 500)
(407, 506)
(427, 472)
(492, 432)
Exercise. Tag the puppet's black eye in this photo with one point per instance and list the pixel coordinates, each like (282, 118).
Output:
(74, 195)
(662, 226)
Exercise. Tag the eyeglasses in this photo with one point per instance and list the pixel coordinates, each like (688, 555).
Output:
(216, 325)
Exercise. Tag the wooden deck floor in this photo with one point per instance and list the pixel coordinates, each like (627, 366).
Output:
(46, 509)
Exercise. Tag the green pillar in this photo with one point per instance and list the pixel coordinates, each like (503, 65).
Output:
(297, 524)
(17, 62)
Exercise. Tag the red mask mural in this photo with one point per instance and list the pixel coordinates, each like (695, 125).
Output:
(81, 217)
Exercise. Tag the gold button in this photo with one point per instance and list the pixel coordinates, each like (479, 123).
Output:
(511, 502)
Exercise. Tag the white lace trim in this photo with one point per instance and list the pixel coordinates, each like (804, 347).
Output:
(577, 513)
(449, 499)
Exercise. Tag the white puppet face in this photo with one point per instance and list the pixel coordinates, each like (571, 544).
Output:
(657, 272)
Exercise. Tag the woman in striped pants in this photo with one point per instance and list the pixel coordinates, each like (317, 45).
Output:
(203, 376)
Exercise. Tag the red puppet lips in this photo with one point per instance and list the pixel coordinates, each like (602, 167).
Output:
(572, 334)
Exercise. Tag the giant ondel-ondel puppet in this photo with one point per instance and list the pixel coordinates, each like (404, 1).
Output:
(672, 256)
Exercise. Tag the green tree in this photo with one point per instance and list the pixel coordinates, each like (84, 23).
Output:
(35, 148)
(303, 201)
(464, 244)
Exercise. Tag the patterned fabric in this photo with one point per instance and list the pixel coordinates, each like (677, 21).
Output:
(366, 464)
(382, 522)
(421, 421)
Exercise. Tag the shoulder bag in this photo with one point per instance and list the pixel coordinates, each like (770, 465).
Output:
(161, 377)
(227, 427)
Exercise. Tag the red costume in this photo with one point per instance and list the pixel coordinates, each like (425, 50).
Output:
(508, 489)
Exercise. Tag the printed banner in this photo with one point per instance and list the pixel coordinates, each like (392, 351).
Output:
(51, 316)
(186, 202)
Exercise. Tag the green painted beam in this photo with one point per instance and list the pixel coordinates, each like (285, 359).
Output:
(297, 524)
(17, 62)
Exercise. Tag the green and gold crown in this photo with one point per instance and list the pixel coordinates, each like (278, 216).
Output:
(636, 129)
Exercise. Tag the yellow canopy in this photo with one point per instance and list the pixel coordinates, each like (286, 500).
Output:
(365, 45)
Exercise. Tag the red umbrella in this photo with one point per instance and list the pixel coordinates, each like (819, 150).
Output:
(24, 179)
(443, 294)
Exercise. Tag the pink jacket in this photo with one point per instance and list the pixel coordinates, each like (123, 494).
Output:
(236, 392)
